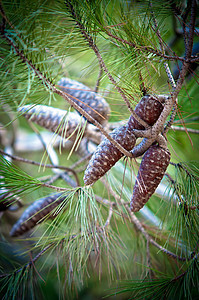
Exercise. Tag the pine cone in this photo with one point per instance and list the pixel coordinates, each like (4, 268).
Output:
(54, 119)
(148, 109)
(91, 102)
(152, 168)
(36, 213)
(106, 154)
(6, 199)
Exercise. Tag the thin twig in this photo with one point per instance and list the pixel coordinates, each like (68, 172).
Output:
(98, 79)
(171, 119)
(148, 259)
(109, 216)
(81, 160)
(187, 120)
(193, 60)
(53, 178)
(191, 130)
(145, 48)
(188, 50)
(58, 189)
(28, 161)
(105, 201)
(139, 226)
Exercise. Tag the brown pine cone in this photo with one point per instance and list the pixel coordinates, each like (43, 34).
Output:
(148, 109)
(152, 168)
(91, 102)
(36, 213)
(53, 119)
(106, 154)
(6, 199)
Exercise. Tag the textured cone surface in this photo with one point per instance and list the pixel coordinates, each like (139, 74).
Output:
(6, 199)
(36, 213)
(106, 154)
(53, 119)
(152, 168)
(148, 109)
(91, 102)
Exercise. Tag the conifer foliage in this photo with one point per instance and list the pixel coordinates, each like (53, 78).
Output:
(98, 149)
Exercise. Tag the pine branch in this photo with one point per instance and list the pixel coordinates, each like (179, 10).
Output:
(17, 180)
(152, 134)
(191, 130)
(91, 220)
(32, 162)
(73, 104)
(30, 263)
(108, 220)
(91, 43)
(188, 51)
(52, 87)
(147, 49)
(140, 227)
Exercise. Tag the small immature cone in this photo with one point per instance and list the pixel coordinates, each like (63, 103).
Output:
(91, 102)
(106, 154)
(148, 109)
(36, 213)
(152, 169)
(54, 119)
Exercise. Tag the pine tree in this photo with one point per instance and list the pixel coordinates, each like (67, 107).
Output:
(103, 92)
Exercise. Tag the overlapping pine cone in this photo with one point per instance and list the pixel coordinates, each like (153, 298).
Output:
(106, 155)
(63, 123)
(6, 199)
(91, 102)
(36, 213)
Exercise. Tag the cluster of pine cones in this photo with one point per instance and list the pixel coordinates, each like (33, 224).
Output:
(153, 165)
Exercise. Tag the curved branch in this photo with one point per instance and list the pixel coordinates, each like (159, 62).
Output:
(30, 263)
(32, 162)
(91, 43)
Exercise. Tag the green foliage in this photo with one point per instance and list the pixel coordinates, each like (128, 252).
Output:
(184, 286)
(91, 235)
(15, 179)
(20, 285)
